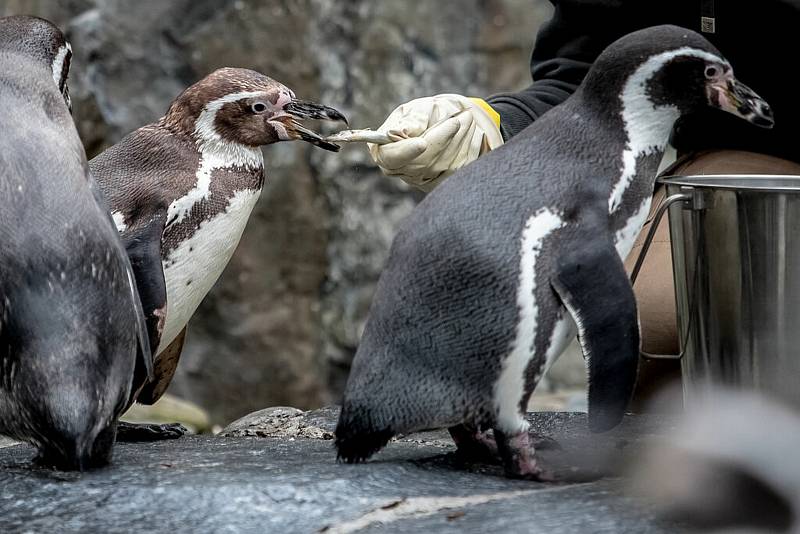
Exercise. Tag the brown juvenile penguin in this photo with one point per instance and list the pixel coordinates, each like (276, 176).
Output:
(181, 191)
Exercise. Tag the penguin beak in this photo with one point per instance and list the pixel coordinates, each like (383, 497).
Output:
(297, 110)
(732, 96)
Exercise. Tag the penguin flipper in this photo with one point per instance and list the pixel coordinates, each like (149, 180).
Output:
(164, 371)
(143, 244)
(593, 286)
(143, 371)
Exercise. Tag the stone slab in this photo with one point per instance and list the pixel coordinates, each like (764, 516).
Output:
(293, 484)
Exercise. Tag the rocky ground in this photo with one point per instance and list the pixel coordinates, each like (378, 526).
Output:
(275, 471)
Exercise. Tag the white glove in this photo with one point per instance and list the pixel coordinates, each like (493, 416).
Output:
(434, 136)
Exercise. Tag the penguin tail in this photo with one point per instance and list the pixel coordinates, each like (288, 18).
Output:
(357, 438)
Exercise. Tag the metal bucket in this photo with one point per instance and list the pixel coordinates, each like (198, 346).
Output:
(736, 263)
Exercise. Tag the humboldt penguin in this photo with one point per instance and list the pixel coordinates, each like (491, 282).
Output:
(73, 341)
(182, 189)
(498, 268)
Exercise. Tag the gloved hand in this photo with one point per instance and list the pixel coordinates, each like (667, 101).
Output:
(434, 136)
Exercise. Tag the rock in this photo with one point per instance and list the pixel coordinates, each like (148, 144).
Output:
(245, 484)
(277, 422)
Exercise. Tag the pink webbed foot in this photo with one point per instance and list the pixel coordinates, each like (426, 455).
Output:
(519, 460)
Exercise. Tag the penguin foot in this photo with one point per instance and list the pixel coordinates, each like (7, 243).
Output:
(474, 446)
(132, 432)
(518, 457)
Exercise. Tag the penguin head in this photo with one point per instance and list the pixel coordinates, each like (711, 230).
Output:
(670, 66)
(41, 41)
(244, 107)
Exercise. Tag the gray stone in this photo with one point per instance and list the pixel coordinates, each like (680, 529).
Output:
(277, 422)
(224, 484)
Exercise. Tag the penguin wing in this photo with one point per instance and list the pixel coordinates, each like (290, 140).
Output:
(144, 360)
(144, 357)
(143, 243)
(592, 284)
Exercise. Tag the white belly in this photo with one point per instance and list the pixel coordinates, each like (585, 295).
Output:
(195, 265)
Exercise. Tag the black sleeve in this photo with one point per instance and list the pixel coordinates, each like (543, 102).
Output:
(565, 48)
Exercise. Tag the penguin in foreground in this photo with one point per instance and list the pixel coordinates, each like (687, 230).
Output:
(499, 267)
(181, 190)
(727, 466)
(72, 333)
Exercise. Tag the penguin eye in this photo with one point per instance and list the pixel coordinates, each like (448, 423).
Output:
(712, 72)
(258, 107)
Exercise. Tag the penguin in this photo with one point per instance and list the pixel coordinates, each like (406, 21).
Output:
(728, 462)
(73, 341)
(497, 269)
(42, 42)
(181, 190)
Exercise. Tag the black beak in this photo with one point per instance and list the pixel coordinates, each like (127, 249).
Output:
(298, 110)
(732, 96)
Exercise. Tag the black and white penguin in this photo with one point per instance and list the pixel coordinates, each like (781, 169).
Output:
(181, 191)
(498, 268)
(72, 335)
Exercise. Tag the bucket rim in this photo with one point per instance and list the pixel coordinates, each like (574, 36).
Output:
(783, 183)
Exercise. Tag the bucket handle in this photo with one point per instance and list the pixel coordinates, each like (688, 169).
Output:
(648, 240)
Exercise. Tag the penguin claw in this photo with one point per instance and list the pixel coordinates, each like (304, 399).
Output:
(135, 432)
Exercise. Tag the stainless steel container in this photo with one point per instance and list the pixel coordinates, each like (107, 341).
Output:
(736, 260)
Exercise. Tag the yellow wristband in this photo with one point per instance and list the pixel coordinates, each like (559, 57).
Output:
(495, 116)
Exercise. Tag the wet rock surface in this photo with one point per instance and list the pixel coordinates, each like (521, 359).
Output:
(293, 484)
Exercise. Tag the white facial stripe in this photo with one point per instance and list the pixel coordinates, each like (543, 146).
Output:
(59, 63)
(213, 146)
(647, 126)
(215, 153)
(510, 387)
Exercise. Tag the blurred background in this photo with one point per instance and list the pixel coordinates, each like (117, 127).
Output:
(282, 324)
